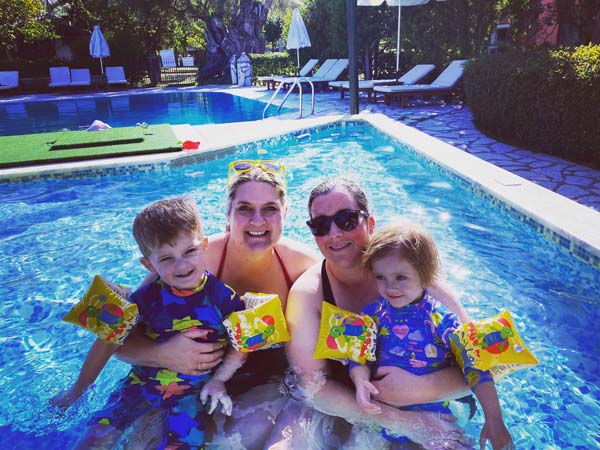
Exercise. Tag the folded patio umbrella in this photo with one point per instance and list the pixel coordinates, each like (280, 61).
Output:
(99, 46)
(297, 35)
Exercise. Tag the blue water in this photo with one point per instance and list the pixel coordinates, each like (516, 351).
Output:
(57, 234)
(123, 109)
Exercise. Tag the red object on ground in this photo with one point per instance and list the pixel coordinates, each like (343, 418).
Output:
(191, 145)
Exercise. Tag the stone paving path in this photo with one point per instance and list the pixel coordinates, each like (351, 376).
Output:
(453, 123)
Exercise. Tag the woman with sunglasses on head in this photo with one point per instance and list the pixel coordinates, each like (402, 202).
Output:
(342, 226)
(251, 256)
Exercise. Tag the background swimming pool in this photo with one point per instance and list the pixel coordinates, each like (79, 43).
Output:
(57, 234)
(123, 109)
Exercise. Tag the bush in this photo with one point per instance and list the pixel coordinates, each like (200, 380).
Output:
(541, 99)
(266, 64)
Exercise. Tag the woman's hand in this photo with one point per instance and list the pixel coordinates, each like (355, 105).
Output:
(183, 354)
(400, 388)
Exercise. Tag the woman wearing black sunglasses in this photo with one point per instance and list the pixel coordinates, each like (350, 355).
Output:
(342, 225)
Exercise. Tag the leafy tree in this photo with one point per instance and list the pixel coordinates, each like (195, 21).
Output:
(22, 20)
(273, 29)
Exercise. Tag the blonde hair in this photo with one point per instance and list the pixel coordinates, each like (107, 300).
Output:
(163, 221)
(410, 242)
(255, 174)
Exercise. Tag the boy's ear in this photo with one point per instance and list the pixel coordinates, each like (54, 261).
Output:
(147, 264)
(205, 242)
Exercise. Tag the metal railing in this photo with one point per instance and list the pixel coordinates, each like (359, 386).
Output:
(293, 82)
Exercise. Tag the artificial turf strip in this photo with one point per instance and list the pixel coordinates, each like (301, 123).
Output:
(83, 139)
(41, 148)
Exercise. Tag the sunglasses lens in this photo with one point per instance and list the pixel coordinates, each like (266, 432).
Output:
(243, 165)
(272, 166)
(319, 226)
(346, 220)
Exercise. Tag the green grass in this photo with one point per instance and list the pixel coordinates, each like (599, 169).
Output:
(62, 146)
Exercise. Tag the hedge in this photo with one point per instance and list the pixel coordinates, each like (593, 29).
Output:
(274, 64)
(545, 100)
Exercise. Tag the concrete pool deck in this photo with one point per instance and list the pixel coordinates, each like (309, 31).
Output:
(569, 205)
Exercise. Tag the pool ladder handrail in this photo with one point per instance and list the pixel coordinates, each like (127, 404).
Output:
(296, 81)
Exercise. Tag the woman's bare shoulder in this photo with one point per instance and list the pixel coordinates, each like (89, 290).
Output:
(292, 247)
(296, 255)
(216, 245)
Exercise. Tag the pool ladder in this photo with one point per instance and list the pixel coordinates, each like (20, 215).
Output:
(296, 81)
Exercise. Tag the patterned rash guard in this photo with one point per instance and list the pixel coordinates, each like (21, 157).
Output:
(415, 338)
(166, 311)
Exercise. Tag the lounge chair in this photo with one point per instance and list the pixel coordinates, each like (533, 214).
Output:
(115, 75)
(9, 80)
(326, 73)
(81, 77)
(59, 77)
(444, 84)
(270, 82)
(414, 75)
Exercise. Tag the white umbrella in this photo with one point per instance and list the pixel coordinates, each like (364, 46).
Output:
(399, 4)
(99, 46)
(297, 35)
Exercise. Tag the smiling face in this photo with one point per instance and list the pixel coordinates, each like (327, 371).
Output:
(397, 280)
(180, 264)
(256, 215)
(340, 247)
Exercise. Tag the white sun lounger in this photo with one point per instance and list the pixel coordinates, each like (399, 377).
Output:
(444, 84)
(411, 77)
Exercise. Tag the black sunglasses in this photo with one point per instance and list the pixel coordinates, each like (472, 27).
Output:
(345, 220)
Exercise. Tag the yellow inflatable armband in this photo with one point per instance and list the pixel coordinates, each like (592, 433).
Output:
(105, 311)
(345, 335)
(491, 344)
(258, 327)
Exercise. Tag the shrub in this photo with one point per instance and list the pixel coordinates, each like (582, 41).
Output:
(546, 100)
(266, 64)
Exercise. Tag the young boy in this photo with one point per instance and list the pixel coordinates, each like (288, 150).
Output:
(183, 297)
(413, 328)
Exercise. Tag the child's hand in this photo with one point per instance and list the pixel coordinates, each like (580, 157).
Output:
(495, 431)
(215, 389)
(364, 390)
(65, 398)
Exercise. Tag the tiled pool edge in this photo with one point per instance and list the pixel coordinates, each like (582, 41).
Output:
(570, 225)
(495, 184)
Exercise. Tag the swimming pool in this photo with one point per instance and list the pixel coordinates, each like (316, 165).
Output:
(126, 109)
(59, 233)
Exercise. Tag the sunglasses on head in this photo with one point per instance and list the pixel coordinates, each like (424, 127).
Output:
(345, 220)
(246, 165)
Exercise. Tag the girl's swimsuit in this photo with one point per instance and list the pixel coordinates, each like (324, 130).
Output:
(341, 373)
(264, 365)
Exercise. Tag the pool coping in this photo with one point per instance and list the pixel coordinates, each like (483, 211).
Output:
(564, 221)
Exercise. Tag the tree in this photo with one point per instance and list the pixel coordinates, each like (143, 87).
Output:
(232, 27)
(22, 20)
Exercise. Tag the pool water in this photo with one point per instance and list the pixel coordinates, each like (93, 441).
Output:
(57, 234)
(122, 110)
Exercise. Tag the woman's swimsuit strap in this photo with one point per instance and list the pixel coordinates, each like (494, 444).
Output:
(286, 275)
(327, 292)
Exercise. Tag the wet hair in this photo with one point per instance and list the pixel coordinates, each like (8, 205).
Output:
(255, 174)
(163, 221)
(352, 187)
(409, 241)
